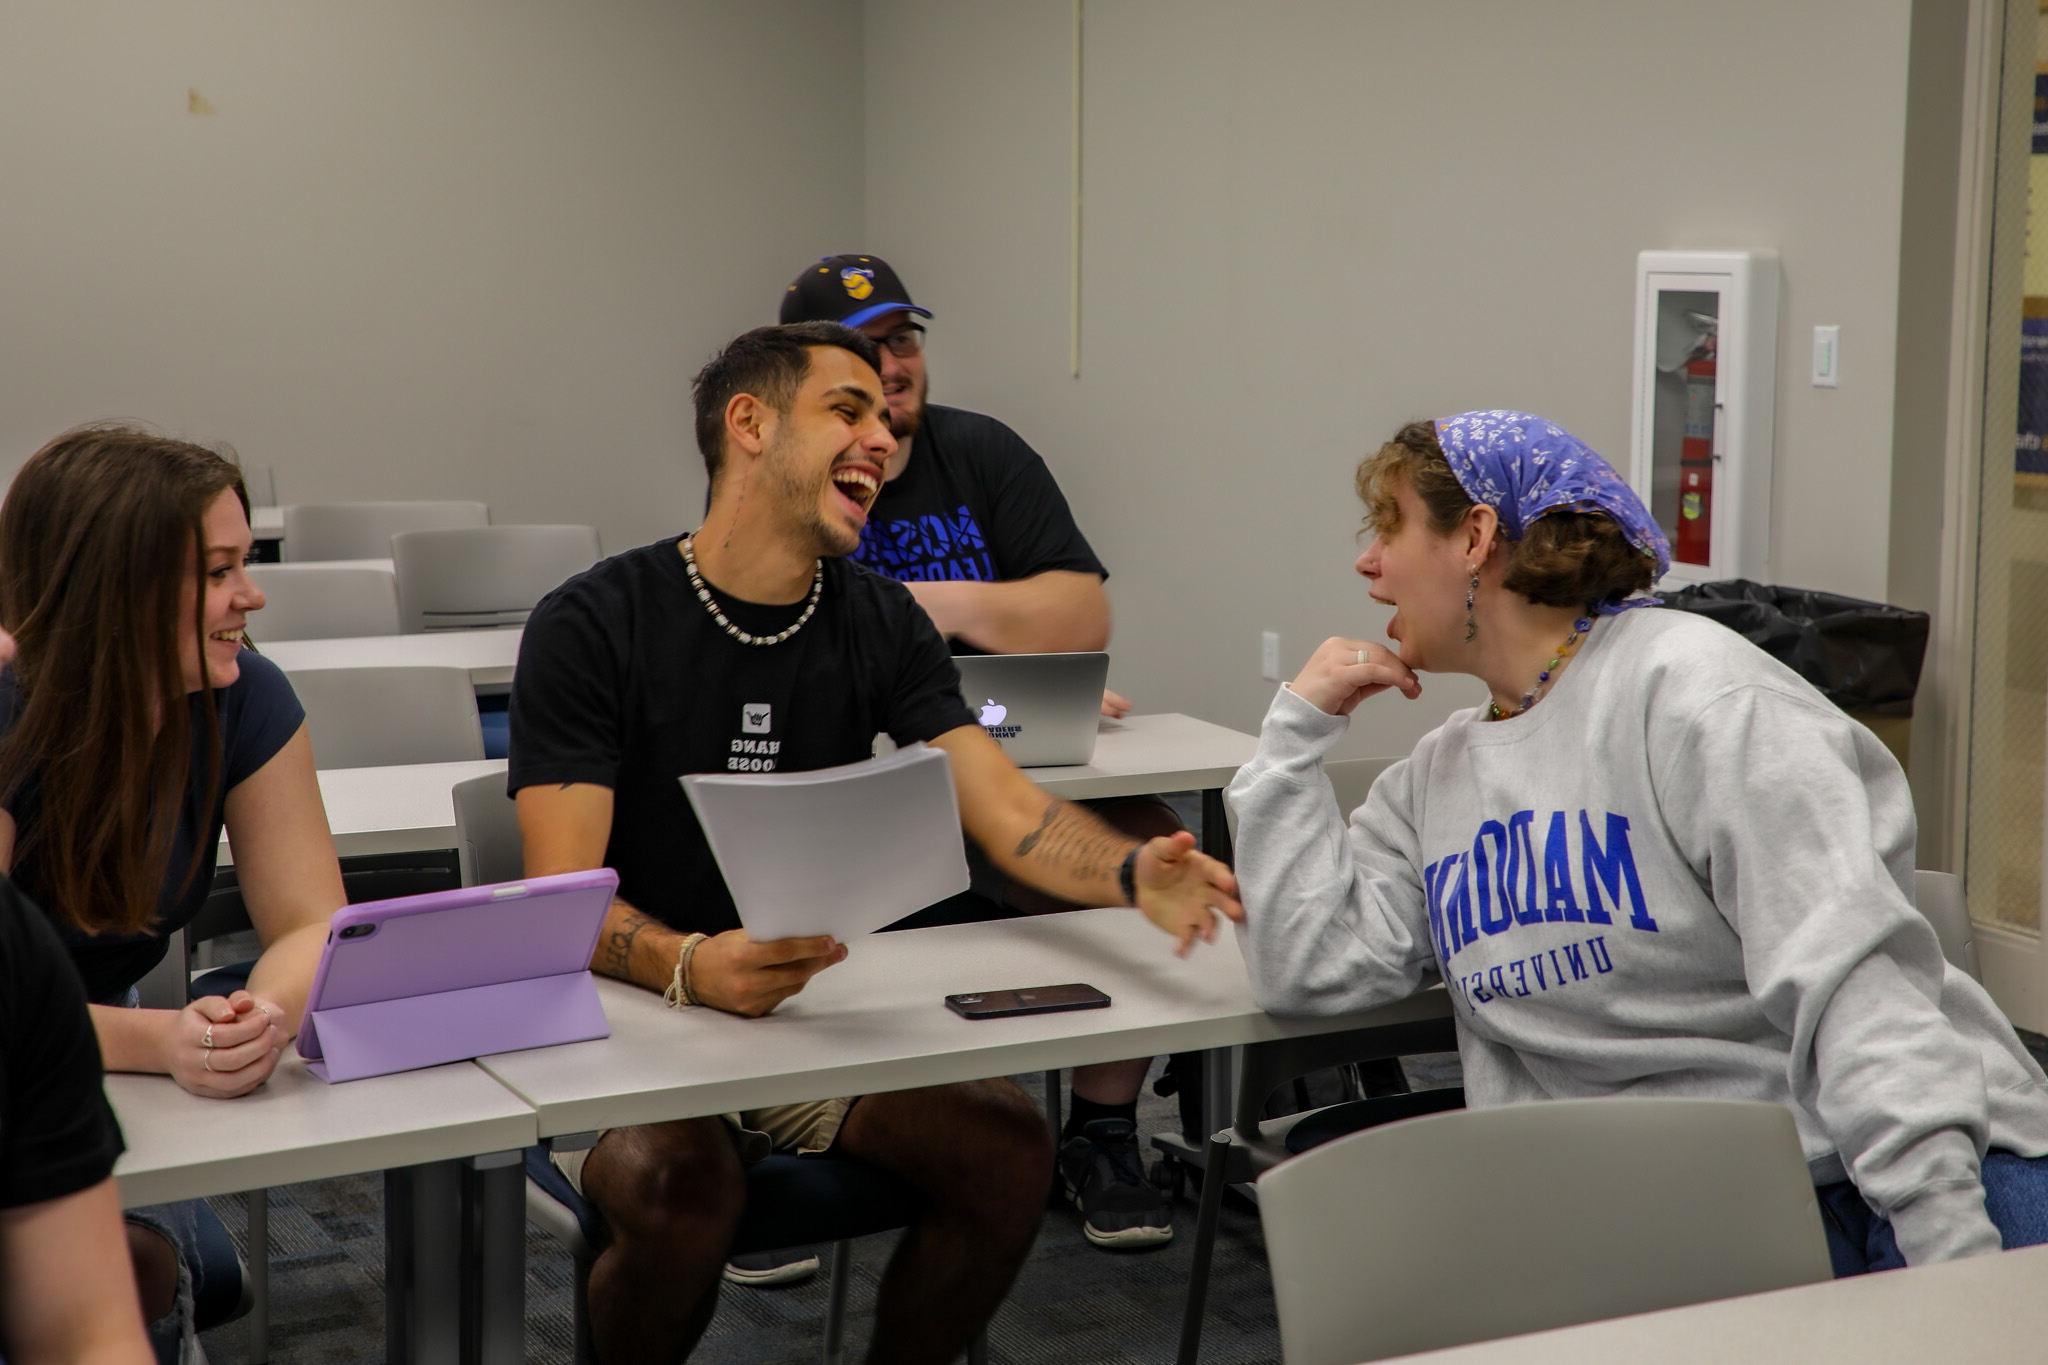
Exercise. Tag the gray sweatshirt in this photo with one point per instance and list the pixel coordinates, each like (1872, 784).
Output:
(1684, 872)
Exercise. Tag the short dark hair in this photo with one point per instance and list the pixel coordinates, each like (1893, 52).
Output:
(770, 363)
(1564, 558)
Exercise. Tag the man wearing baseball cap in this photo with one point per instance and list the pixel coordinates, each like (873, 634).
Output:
(971, 521)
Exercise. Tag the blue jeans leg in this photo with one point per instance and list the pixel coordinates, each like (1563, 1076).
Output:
(2015, 1196)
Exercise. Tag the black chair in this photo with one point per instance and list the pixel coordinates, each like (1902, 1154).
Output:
(791, 1201)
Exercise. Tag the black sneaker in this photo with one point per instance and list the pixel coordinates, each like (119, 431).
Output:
(761, 1269)
(1104, 1176)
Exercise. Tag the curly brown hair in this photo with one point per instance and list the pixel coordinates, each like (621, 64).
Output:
(1564, 559)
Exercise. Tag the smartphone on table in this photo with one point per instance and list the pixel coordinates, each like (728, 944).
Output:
(1026, 1000)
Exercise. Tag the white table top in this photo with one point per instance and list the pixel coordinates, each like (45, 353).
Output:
(266, 523)
(301, 565)
(876, 1022)
(487, 654)
(1140, 755)
(1989, 1308)
(408, 808)
(297, 1127)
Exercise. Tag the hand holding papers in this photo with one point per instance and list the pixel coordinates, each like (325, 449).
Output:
(839, 851)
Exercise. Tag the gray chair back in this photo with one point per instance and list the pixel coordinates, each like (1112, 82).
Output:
(487, 831)
(324, 601)
(1487, 1223)
(363, 530)
(371, 717)
(1939, 896)
(484, 576)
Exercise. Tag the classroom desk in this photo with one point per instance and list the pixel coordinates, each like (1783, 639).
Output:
(487, 654)
(300, 566)
(1989, 1308)
(408, 808)
(448, 1138)
(876, 1022)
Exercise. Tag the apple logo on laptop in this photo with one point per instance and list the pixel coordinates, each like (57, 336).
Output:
(994, 714)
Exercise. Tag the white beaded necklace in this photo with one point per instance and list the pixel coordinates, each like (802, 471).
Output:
(718, 613)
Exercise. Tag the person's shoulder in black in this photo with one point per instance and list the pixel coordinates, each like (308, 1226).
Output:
(576, 656)
(974, 501)
(57, 1133)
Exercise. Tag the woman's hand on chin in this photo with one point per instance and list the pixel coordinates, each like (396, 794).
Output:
(1344, 672)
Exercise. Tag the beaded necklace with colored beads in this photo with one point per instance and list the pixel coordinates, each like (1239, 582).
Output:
(1536, 693)
(726, 624)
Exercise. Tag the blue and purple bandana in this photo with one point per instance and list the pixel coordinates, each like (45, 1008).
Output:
(1524, 466)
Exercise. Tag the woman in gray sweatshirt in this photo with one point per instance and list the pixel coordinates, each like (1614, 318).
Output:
(1657, 862)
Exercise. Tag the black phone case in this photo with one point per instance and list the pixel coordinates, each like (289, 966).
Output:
(1010, 1003)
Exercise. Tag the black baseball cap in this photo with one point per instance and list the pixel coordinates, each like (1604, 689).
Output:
(849, 290)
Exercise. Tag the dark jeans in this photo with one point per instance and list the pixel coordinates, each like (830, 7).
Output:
(2015, 1195)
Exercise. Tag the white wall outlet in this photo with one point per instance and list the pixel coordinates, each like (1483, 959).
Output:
(1827, 357)
(1269, 655)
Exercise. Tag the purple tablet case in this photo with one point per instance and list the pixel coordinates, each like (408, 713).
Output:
(453, 975)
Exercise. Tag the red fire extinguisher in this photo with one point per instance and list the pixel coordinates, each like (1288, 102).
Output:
(1696, 459)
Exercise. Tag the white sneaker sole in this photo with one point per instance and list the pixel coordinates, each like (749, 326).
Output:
(1130, 1239)
(782, 1274)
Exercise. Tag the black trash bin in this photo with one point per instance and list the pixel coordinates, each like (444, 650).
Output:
(1865, 657)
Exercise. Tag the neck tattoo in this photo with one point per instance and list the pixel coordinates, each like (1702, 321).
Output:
(1541, 687)
(718, 612)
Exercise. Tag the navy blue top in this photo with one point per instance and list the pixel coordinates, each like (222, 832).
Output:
(258, 713)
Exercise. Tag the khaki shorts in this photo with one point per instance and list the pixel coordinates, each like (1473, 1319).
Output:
(811, 1126)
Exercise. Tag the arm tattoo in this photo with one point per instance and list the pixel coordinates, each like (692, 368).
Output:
(615, 958)
(1075, 842)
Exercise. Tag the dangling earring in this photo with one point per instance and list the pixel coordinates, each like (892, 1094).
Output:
(1471, 594)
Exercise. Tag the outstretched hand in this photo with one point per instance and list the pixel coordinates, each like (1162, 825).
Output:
(1182, 890)
(1342, 673)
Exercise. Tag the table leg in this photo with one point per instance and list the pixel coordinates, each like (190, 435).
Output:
(494, 1260)
(1215, 825)
(422, 1264)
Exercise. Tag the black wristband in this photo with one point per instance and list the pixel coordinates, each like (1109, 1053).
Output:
(1127, 876)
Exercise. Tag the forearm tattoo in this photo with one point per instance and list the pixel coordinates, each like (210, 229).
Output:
(615, 954)
(1075, 842)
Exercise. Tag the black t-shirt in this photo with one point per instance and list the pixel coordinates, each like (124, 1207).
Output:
(258, 714)
(625, 681)
(57, 1135)
(973, 502)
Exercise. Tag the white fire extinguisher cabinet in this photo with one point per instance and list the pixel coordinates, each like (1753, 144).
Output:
(1706, 391)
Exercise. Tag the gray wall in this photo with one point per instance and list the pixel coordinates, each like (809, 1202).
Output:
(436, 248)
(1307, 223)
(465, 248)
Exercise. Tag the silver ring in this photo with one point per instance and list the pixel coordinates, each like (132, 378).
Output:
(207, 1041)
(206, 1060)
(1361, 656)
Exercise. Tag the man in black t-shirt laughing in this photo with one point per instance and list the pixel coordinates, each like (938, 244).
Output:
(971, 521)
(753, 645)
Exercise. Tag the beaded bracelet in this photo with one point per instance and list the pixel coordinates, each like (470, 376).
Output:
(679, 993)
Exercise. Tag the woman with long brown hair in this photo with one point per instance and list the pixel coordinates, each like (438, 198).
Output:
(134, 725)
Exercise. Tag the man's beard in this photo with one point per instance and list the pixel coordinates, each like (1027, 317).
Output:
(905, 426)
(814, 531)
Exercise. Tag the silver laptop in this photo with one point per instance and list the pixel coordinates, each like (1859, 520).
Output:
(1042, 708)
